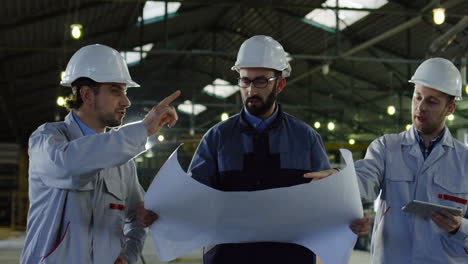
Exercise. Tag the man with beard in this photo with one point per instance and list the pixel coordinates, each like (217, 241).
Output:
(260, 148)
(83, 189)
(424, 163)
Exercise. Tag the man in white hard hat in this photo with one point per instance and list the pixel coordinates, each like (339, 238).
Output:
(260, 148)
(424, 163)
(83, 189)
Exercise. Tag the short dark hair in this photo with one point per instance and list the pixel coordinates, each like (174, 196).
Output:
(451, 99)
(74, 101)
(277, 73)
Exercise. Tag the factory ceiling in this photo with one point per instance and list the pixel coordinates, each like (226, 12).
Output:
(347, 75)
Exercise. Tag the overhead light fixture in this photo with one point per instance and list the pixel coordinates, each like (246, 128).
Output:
(351, 141)
(76, 30)
(161, 138)
(451, 117)
(60, 101)
(325, 69)
(438, 15)
(391, 110)
(224, 116)
(317, 125)
(331, 126)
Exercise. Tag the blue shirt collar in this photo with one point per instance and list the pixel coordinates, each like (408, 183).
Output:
(257, 123)
(426, 151)
(84, 128)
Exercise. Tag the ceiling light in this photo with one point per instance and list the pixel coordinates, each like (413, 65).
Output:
(161, 138)
(438, 14)
(331, 126)
(325, 69)
(451, 117)
(351, 141)
(391, 110)
(317, 125)
(76, 30)
(224, 116)
(60, 101)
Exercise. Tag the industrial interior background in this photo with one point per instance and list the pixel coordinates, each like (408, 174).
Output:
(349, 79)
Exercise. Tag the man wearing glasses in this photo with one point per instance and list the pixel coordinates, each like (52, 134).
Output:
(260, 148)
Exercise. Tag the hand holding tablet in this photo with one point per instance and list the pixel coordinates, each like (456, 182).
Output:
(424, 209)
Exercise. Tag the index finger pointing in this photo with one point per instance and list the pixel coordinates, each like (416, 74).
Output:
(170, 98)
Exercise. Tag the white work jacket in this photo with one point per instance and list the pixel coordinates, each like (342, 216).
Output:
(395, 164)
(83, 193)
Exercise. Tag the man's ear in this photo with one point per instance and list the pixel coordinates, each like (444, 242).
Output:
(451, 108)
(87, 95)
(281, 85)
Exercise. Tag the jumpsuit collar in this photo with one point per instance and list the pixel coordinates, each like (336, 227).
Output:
(257, 123)
(246, 127)
(84, 128)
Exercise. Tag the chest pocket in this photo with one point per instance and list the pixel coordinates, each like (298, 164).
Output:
(399, 182)
(230, 160)
(451, 180)
(115, 196)
(290, 159)
(449, 183)
(397, 171)
(115, 188)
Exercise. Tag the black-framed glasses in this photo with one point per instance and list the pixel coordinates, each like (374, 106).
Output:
(259, 82)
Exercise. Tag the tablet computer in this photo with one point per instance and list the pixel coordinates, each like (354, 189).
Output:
(425, 208)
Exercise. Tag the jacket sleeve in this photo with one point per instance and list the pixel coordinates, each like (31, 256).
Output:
(72, 164)
(457, 244)
(204, 165)
(319, 159)
(134, 233)
(371, 170)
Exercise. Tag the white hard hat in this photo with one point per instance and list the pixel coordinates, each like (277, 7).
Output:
(100, 63)
(439, 74)
(262, 52)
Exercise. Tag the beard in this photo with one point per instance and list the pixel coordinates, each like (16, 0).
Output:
(429, 128)
(265, 105)
(108, 119)
(432, 124)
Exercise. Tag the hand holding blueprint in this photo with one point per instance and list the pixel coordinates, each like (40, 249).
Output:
(315, 215)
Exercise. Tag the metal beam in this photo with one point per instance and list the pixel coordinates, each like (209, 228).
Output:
(366, 44)
(442, 40)
(289, 6)
(47, 14)
(385, 35)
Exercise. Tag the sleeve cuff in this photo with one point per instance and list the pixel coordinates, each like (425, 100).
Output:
(462, 232)
(130, 259)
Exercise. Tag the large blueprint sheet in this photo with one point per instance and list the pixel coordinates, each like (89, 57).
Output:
(315, 215)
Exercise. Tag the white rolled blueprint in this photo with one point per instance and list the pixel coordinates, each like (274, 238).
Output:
(315, 215)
